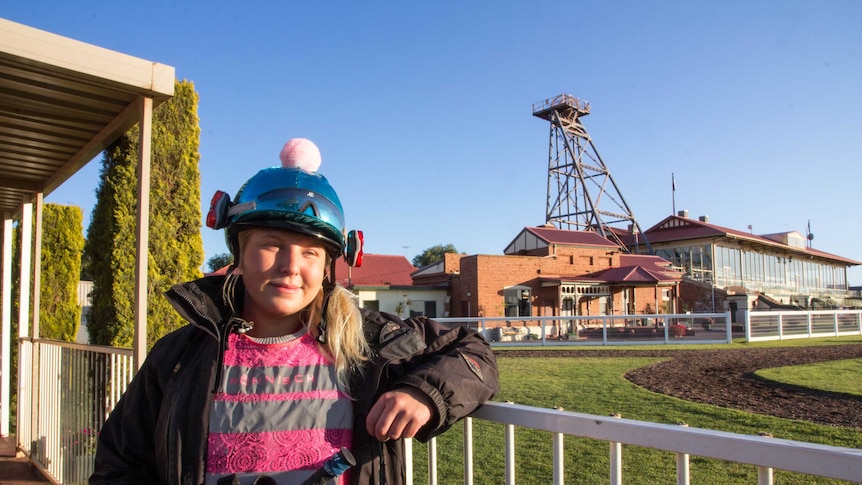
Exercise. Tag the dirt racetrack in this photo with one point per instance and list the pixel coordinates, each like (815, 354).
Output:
(725, 378)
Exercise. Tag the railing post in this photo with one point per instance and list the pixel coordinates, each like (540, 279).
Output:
(468, 451)
(616, 477)
(764, 473)
(558, 456)
(729, 327)
(432, 461)
(510, 452)
(683, 472)
(6, 325)
(746, 320)
(408, 460)
(604, 331)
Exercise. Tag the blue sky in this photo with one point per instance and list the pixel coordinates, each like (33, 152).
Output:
(422, 110)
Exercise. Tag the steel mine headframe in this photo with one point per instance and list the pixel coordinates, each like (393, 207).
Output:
(582, 194)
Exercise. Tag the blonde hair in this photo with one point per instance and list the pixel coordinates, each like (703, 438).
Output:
(344, 339)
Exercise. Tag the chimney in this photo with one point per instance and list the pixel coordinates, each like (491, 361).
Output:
(703, 219)
(683, 213)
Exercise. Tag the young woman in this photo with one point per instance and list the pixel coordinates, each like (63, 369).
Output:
(278, 369)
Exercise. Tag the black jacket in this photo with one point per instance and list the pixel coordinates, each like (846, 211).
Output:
(157, 432)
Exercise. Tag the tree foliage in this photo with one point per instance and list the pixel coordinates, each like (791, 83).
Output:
(433, 254)
(62, 243)
(219, 261)
(175, 251)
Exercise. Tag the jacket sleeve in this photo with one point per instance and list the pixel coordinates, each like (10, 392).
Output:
(457, 370)
(126, 451)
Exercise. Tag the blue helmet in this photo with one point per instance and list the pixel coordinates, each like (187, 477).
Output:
(293, 197)
(285, 198)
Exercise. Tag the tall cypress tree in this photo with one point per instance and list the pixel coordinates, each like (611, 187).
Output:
(62, 243)
(175, 245)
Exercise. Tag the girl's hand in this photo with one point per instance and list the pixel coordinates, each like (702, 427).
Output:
(400, 413)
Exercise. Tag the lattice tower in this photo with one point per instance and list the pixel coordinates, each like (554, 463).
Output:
(582, 194)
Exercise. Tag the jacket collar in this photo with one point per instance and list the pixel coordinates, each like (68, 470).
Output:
(201, 303)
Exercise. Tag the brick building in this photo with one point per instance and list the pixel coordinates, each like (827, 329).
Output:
(546, 271)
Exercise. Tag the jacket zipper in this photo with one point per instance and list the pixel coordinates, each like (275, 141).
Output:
(221, 339)
(184, 478)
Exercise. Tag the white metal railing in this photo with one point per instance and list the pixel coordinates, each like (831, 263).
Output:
(65, 393)
(67, 390)
(764, 452)
(792, 324)
(640, 329)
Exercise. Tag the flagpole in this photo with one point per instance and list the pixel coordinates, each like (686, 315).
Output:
(673, 193)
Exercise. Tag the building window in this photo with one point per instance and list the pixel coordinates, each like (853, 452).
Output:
(518, 301)
(431, 309)
(373, 305)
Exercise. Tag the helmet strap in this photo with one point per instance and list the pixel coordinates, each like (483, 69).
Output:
(328, 286)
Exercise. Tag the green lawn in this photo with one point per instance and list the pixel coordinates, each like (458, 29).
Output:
(844, 376)
(597, 386)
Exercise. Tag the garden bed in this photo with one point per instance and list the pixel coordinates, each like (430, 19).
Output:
(725, 378)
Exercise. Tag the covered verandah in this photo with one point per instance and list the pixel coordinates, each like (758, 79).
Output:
(61, 103)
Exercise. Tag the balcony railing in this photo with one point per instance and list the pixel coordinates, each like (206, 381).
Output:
(65, 393)
(67, 390)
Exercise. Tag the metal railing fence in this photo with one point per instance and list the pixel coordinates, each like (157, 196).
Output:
(65, 393)
(784, 325)
(641, 329)
(766, 453)
(67, 390)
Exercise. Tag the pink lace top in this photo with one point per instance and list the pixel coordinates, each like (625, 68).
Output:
(278, 412)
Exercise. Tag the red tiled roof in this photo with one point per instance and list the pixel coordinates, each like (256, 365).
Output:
(552, 235)
(694, 229)
(376, 270)
(220, 271)
(628, 274)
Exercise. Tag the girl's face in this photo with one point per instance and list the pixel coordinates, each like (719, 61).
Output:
(282, 272)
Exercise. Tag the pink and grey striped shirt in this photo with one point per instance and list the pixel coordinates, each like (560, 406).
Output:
(279, 412)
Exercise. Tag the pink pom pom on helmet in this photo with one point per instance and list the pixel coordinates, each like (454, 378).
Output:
(300, 153)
